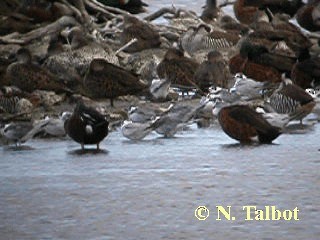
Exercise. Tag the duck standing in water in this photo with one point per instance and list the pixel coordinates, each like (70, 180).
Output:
(86, 125)
(243, 123)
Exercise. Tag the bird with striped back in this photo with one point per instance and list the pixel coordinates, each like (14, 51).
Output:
(291, 99)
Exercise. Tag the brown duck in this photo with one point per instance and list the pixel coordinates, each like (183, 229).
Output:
(306, 71)
(146, 36)
(214, 71)
(28, 76)
(106, 80)
(243, 123)
(178, 69)
(211, 12)
(308, 16)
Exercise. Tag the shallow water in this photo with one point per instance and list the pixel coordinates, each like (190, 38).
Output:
(195, 6)
(150, 189)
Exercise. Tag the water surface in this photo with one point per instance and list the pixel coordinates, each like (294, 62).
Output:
(150, 189)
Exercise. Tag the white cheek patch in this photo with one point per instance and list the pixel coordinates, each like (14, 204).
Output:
(89, 129)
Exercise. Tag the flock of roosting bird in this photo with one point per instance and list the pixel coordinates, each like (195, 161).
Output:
(253, 74)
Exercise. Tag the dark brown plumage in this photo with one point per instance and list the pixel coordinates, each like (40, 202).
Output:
(4, 63)
(242, 123)
(277, 6)
(86, 125)
(177, 68)
(211, 12)
(106, 80)
(132, 6)
(146, 36)
(213, 71)
(308, 16)
(29, 76)
(43, 11)
(306, 71)
(246, 10)
(280, 30)
(233, 26)
(254, 70)
(15, 22)
(246, 13)
(72, 64)
(258, 53)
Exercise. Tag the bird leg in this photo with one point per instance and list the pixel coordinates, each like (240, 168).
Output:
(243, 65)
(111, 102)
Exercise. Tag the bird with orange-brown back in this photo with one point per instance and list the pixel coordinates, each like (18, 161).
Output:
(146, 35)
(178, 69)
(86, 125)
(244, 124)
(247, 10)
(308, 16)
(253, 70)
(257, 52)
(29, 76)
(106, 80)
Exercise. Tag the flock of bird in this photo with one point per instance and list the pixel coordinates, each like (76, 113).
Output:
(254, 75)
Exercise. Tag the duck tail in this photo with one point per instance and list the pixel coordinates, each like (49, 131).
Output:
(270, 135)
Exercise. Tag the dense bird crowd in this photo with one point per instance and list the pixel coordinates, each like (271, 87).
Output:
(61, 61)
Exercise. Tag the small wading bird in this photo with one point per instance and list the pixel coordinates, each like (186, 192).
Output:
(159, 89)
(315, 94)
(86, 125)
(248, 88)
(176, 117)
(53, 127)
(137, 130)
(16, 132)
